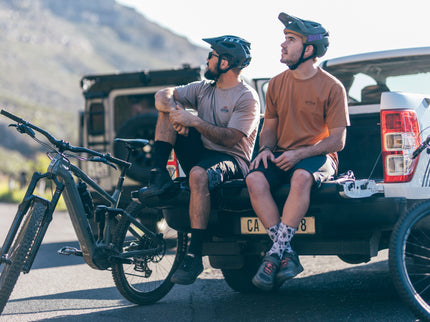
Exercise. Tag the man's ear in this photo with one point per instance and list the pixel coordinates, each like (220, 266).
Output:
(224, 64)
(309, 51)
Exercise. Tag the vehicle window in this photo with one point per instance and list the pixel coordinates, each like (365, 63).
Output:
(127, 106)
(96, 120)
(360, 82)
(366, 80)
(413, 83)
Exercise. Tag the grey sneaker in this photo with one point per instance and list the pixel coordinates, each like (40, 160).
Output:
(187, 273)
(265, 277)
(159, 182)
(289, 268)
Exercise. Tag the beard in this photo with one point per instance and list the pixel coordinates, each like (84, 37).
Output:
(211, 75)
(289, 61)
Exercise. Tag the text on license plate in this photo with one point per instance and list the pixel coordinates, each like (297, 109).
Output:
(253, 225)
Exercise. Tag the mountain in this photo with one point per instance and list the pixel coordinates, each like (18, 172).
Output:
(46, 46)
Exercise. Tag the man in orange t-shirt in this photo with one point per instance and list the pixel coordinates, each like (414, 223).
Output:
(305, 125)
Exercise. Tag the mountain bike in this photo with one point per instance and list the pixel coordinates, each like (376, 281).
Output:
(409, 257)
(141, 260)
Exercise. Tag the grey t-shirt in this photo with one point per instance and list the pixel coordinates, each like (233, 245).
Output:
(236, 107)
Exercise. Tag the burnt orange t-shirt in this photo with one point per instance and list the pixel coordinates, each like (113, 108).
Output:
(305, 109)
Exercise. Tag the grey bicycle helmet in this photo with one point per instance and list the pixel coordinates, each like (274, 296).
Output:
(236, 48)
(312, 32)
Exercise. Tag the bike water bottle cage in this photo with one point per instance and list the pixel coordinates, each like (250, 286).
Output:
(312, 33)
(236, 50)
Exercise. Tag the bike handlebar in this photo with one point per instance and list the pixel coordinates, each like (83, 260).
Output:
(421, 147)
(63, 145)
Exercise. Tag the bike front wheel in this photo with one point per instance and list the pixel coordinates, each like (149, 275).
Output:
(19, 251)
(147, 278)
(409, 259)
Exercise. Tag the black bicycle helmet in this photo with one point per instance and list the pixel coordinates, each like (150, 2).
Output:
(313, 33)
(238, 49)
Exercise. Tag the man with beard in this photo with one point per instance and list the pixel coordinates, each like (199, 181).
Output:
(304, 126)
(213, 146)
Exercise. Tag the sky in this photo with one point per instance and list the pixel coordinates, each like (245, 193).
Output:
(354, 26)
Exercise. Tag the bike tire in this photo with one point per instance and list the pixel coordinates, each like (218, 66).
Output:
(19, 251)
(409, 259)
(149, 282)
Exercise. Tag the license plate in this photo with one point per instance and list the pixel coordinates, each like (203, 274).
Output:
(253, 225)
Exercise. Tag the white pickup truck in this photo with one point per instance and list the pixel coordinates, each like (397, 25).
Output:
(381, 201)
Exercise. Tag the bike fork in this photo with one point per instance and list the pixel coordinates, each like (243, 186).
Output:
(23, 208)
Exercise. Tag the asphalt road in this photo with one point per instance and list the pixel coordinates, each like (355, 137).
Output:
(63, 288)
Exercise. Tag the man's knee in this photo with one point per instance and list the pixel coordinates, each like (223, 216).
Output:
(198, 178)
(301, 180)
(256, 181)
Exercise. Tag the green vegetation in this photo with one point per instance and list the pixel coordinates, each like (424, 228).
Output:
(14, 185)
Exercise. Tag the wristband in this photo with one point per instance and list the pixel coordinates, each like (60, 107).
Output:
(264, 147)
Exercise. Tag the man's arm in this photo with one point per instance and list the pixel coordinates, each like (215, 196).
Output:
(165, 100)
(224, 136)
(333, 143)
(268, 141)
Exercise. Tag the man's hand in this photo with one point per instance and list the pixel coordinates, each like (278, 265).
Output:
(263, 156)
(181, 120)
(287, 160)
(180, 129)
(182, 117)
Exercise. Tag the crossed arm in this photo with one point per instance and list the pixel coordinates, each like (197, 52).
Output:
(181, 120)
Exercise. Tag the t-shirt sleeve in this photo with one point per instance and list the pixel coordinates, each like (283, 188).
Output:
(337, 108)
(188, 94)
(270, 112)
(245, 114)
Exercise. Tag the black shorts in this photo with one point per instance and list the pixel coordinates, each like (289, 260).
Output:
(321, 167)
(220, 166)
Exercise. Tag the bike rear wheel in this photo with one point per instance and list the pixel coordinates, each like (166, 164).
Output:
(409, 259)
(147, 279)
(19, 251)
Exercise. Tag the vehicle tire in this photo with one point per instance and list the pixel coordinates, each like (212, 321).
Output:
(240, 279)
(354, 258)
(19, 251)
(409, 259)
(148, 279)
(138, 127)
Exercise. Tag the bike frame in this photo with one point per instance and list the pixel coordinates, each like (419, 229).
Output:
(61, 172)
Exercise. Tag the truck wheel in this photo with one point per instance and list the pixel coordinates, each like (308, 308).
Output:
(409, 259)
(240, 279)
(354, 259)
(139, 127)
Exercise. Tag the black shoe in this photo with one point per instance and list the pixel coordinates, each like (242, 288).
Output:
(187, 273)
(159, 183)
(266, 274)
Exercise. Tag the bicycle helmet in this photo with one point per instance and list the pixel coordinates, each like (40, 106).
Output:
(312, 33)
(235, 48)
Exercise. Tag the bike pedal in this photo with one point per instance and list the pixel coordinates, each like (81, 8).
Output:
(70, 251)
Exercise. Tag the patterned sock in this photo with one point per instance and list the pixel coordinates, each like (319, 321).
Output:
(282, 244)
(273, 232)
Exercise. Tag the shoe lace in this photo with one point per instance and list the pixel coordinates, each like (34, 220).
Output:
(269, 268)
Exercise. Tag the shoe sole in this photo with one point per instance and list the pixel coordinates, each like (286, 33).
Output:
(181, 280)
(261, 285)
(154, 193)
(282, 278)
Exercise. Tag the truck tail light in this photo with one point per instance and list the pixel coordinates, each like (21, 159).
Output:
(172, 165)
(400, 136)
